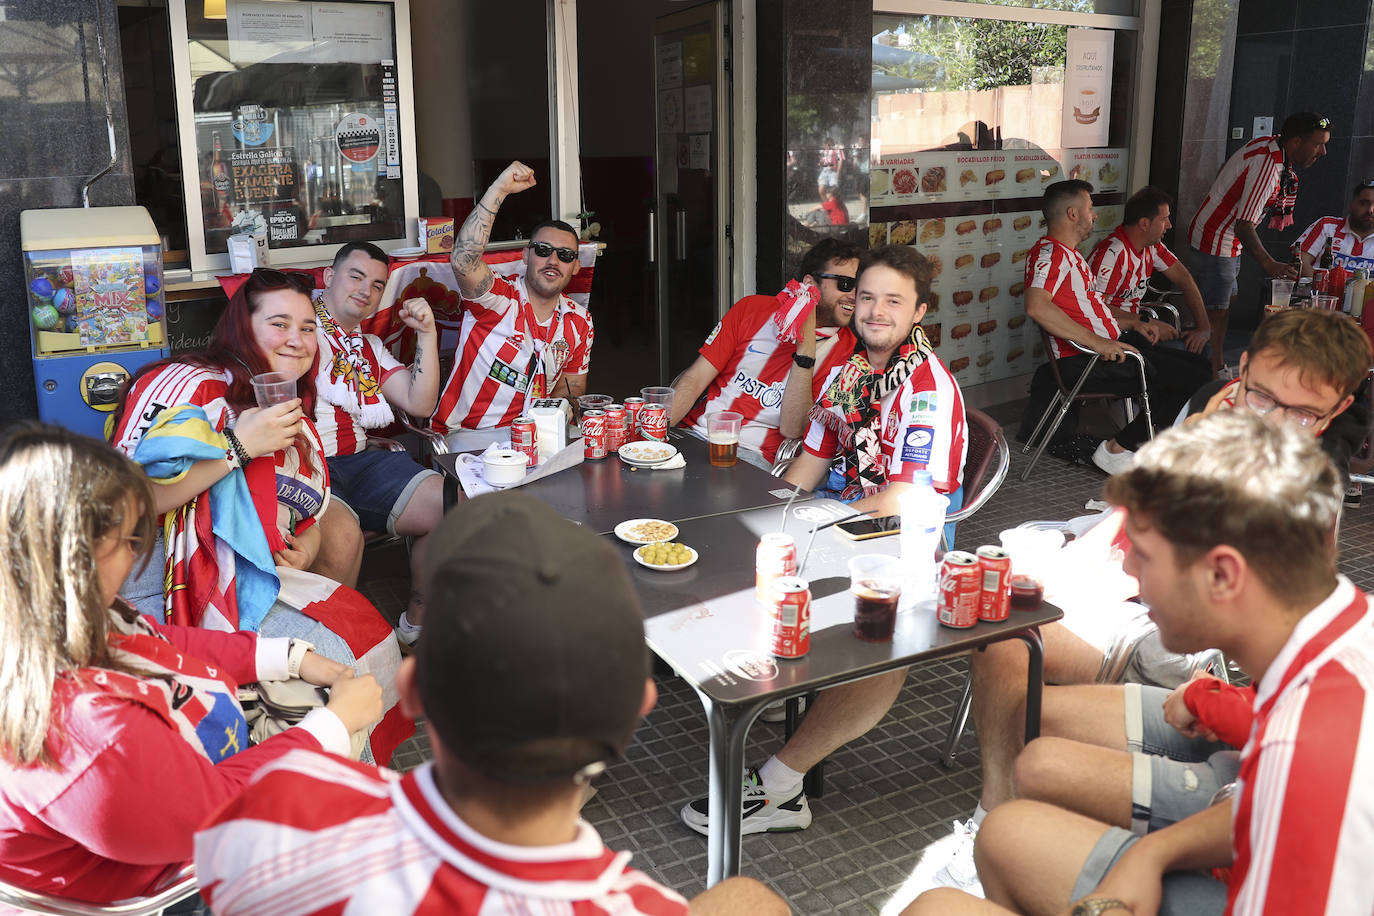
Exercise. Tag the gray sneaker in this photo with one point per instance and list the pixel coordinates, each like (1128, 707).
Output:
(762, 811)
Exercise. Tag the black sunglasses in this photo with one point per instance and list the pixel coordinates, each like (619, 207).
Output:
(544, 249)
(842, 283)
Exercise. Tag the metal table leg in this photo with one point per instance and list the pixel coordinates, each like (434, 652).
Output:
(725, 787)
(1035, 680)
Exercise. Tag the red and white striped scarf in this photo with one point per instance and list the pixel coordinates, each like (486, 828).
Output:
(350, 384)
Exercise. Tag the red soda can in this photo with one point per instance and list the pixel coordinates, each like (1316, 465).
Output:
(653, 422)
(1321, 280)
(524, 438)
(994, 600)
(1335, 282)
(789, 605)
(615, 427)
(632, 408)
(776, 556)
(961, 586)
(594, 434)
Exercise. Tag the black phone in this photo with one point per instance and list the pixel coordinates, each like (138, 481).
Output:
(864, 527)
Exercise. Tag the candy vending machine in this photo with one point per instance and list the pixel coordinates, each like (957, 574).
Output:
(93, 279)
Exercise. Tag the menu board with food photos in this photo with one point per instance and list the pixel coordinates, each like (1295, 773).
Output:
(975, 214)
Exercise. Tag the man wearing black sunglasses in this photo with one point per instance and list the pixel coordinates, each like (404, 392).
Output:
(1259, 182)
(522, 338)
(749, 365)
(1352, 236)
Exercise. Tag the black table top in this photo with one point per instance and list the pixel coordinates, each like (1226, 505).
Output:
(602, 494)
(705, 623)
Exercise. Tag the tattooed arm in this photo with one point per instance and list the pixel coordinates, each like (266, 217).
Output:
(417, 391)
(474, 276)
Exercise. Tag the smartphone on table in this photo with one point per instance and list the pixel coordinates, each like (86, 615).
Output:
(865, 527)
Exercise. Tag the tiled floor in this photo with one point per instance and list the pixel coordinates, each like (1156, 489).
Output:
(886, 800)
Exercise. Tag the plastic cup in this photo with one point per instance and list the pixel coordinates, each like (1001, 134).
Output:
(875, 580)
(1329, 303)
(658, 394)
(722, 433)
(271, 388)
(1280, 292)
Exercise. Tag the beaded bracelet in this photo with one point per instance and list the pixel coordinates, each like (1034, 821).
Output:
(240, 452)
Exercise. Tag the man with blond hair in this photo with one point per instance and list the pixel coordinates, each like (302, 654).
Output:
(1232, 522)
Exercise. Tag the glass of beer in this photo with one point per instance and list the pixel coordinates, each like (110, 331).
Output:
(875, 579)
(722, 432)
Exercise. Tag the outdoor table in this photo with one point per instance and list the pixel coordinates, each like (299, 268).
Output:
(603, 493)
(704, 622)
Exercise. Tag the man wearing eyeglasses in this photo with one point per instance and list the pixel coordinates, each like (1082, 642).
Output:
(1352, 236)
(752, 365)
(1258, 182)
(521, 338)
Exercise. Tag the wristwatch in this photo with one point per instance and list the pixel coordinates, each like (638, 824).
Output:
(1095, 906)
(804, 362)
(295, 654)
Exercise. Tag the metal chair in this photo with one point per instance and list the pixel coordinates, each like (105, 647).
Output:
(176, 889)
(1067, 394)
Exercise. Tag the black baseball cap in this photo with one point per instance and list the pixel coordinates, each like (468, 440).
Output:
(533, 662)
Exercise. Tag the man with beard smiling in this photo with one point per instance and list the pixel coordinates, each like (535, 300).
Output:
(521, 338)
(1353, 236)
(754, 365)
(891, 410)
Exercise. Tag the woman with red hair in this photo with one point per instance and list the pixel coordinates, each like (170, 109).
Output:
(241, 489)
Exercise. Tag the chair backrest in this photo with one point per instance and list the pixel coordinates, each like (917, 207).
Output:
(177, 888)
(1052, 353)
(985, 464)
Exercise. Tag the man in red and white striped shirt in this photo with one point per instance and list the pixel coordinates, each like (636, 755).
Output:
(1353, 236)
(1254, 576)
(1124, 261)
(1258, 182)
(519, 726)
(1061, 298)
(521, 339)
(747, 366)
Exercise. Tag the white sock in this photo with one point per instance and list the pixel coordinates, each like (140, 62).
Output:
(779, 778)
(978, 814)
(405, 625)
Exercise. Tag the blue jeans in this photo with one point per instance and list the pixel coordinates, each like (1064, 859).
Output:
(833, 485)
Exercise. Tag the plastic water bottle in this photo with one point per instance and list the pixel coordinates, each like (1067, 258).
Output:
(923, 515)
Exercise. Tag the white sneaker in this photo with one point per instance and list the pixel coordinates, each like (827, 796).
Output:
(762, 811)
(1112, 463)
(1353, 493)
(777, 712)
(959, 870)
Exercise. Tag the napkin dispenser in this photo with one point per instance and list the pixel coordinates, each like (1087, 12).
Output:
(551, 427)
(503, 467)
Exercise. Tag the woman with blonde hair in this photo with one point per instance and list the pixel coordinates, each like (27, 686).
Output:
(119, 736)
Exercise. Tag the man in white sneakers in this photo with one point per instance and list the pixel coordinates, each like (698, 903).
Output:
(536, 617)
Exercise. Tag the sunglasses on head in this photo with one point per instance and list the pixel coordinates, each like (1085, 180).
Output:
(544, 249)
(842, 283)
(271, 278)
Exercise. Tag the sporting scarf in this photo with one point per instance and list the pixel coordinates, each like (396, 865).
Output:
(1285, 197)
(795, 302)
(196, 700)
(350, 385)
(852, 408)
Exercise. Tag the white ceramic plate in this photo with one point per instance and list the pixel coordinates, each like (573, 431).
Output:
(647, 454)
(625, 531)
(407, 253)
(642, 562)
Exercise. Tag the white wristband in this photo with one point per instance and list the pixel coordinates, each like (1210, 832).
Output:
(295, 654)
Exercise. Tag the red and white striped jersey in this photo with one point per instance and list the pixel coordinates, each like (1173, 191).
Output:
(317, 834)
(504, 356)
(1246, 186)
(753, 366)
(1303, 820)
(1063, 273)
(341, 433)
(175, 383)
(1121, 271)
(924, 428)
(1344, 239)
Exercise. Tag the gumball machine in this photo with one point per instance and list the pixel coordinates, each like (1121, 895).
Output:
(95, 301)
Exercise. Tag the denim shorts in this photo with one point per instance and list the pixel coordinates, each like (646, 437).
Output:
(1215, 277)
(1172, 776)
(1185, 893)
(376, 485)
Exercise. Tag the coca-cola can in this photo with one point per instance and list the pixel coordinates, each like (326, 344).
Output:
(994, 599)
(594, 434)
(524, 438)
(776, 556)
(1320, 281)
(653, 422)
(632, 409)
(789, 605)
(615, 427)
(961, 586)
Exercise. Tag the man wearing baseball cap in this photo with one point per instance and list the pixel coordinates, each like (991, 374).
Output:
(531, 679)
